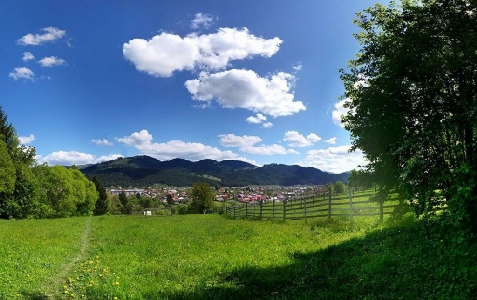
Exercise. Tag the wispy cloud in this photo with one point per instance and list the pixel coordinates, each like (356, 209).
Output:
(103, 142)
(202, 20)
(334, 159)
(248, 143)
(50, 34)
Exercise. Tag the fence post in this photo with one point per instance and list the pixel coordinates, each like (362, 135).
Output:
(350, 204)
(284, 210)
(234, 212)
(246, 210)
(254, 205)
(329, 205)
(261, 204)
(304, 208)
(273, 209)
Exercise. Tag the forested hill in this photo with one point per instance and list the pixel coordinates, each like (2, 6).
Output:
(142, 171)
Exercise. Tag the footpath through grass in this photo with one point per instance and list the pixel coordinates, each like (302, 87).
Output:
(211, 257)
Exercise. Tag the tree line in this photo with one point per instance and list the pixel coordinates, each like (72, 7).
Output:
(33, 191)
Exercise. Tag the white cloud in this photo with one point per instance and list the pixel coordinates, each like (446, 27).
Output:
(297, 67)
(259, 118)
(232, 140)
(51, 61)
(103, 142)
(245, 89)
(27, 56)
(50, 34)
(22, 73)
(268, 150)
(201, 19)
(334, 159)
(68, 158)
(166, 53)
(247, 143)
(339, 111)
(296, 139)
(25, 140)
(173, 149)
(331, 141)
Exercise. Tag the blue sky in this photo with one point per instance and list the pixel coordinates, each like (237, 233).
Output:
(88, 81)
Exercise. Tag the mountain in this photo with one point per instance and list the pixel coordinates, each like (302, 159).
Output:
(142, 171)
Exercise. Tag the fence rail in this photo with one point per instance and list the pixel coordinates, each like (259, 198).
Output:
(311, 207)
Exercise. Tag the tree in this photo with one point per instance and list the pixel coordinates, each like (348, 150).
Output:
(202, 197)
(126, 207)
(412, 100)
(170, 199)
(16, 203)
(101, 205)
(339, 187)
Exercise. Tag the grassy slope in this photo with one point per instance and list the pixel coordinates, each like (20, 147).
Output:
(209, 257)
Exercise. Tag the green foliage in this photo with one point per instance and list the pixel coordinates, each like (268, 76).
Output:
(339, 187)
(7, 177)
(412, 100)
(126, 205)
(202, 197)
(101, 205)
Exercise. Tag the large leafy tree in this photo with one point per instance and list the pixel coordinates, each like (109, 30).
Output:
(202, 197)
(412, 95)
(19, 202)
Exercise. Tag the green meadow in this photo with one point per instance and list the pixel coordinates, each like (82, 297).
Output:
(214, 257)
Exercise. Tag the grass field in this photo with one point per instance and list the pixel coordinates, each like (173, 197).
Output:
(212, 257)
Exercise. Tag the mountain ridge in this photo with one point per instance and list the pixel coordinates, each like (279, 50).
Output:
(145, 171)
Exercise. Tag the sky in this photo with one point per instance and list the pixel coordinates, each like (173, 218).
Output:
(252, 80)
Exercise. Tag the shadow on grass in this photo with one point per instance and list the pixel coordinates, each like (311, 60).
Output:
(410, 262)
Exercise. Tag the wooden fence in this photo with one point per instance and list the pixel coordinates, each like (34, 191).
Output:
(309, 207)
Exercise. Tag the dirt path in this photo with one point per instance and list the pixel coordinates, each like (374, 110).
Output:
(55, 282)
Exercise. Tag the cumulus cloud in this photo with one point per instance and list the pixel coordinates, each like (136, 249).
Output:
(246, 143)
(296, 139)
(202, 20)
(68, 158)
(49, 34)
(51, 61)
(331, 141)
(339, 111)
(103, 142)
(166, 53)
(238, 88)
(27, 56)
(175, 148)
(259, 119)
(334, 159)
(22, 73)
(25, 140)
